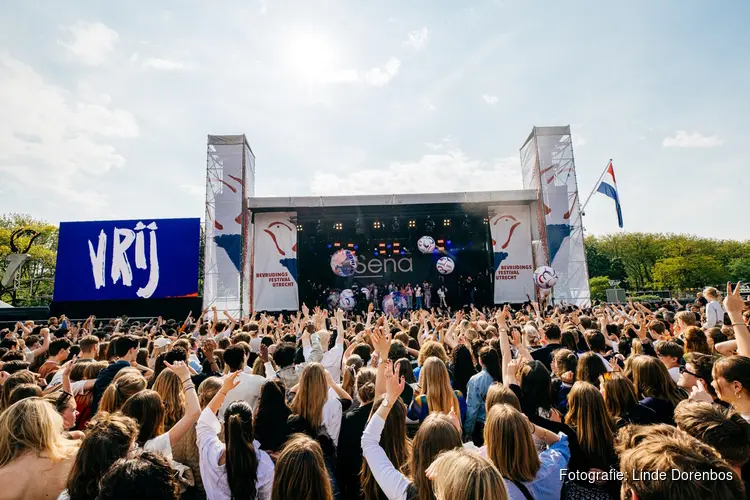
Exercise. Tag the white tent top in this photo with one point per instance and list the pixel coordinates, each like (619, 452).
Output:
(4, 305)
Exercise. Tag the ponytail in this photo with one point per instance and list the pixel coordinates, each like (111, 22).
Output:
(491, 361)
(241, 459)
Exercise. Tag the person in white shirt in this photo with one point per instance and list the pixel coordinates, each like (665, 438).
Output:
(236, 468)
(441, 294)
(331, 360)
(249, 387)
(670, 353)
(316, 401)
(714, 309)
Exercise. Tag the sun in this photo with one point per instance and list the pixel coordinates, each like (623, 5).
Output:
(310, 55)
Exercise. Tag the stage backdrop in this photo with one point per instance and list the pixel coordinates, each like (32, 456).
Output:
(127, 259)
(275, 262)
(511, 247)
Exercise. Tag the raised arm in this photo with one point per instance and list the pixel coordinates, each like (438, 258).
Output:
(733, 304)
(192, 409)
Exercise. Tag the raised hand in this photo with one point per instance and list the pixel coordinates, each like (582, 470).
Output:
(230, 383)
(179, 368)
(394, 385)
(733, 302)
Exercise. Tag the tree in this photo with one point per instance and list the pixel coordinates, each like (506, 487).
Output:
(35, 282)
(739, 269)
(638, 252)
(598, 287)
(681, 273)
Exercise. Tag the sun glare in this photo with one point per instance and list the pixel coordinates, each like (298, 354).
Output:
(310, 55)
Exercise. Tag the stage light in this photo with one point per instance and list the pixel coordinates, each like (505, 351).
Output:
(397, 244)
(466, 223)
(318, 227)
(377, 224)
(388, 246)
(299, 227)
(329, 245)
(448, 242)
(356, 247)
(440, 242)
(337, 244)
(358, 226)
(412, 224)
(375, 253)
(429, 224)
(381, 245)
(446, 222)
(395, 224)
(396, 252)
(350, 245)
(486, 220)
(338, 226)
(382, 252)
(403, 252)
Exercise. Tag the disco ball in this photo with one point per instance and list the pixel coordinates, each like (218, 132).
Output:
(445, 265)
(426, 244)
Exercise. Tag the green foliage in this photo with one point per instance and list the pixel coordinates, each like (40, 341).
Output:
(669, 261)
(37, 275)
(646, 298)
(598, 286)
(739, 269)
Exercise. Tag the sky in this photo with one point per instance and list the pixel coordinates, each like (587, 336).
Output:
(105, 106)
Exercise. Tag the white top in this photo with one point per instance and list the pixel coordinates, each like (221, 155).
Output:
(441, 292)
(247, 390)
(674, 373)
(714, 314)
(160, 444)
(418, 291)
(331, 360)
(332, 413)
(213, 474)
(391, 481)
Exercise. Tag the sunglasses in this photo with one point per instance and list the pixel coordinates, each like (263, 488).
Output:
(685, 370)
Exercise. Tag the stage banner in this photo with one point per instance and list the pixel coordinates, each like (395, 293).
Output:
(510, 228)
(127, 259)
(275, 262)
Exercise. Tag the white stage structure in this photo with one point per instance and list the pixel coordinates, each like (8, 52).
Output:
(548, 203)
(548, 166)
(230, 181)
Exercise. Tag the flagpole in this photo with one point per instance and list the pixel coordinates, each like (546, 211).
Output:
(596, 185)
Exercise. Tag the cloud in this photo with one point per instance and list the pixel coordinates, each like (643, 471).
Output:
(490, 99)
(418, 38)
(436, 172)
(193, 189)
(683, 139)
(91, 43)
(48, 134)
(158, 63)
(380, 77)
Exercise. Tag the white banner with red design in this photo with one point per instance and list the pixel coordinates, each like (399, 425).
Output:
(275, 262)
(510, 228)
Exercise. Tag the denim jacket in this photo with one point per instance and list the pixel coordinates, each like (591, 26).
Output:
(476, 392)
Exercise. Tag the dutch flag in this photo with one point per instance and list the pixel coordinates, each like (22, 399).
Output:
(608, 187)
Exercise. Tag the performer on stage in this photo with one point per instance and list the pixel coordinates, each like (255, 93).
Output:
(441, 293)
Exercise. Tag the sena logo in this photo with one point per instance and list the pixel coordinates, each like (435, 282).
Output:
(375, 268)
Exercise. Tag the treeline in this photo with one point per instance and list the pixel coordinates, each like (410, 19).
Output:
(657, 261)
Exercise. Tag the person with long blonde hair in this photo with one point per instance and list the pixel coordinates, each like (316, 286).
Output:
(120, 390)
(463, 475)
(300, 472)
(509, 442)
(654, 387)
(35, 456)
(169, 387)
(438, 433)
(315, 404)
(436, 393)
(594, 433)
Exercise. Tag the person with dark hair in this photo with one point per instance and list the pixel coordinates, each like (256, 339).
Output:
(479, 384)
(670, 353)
(109, 437)
(552, 333)
(237, 468)
(461, 367)
(364, 351)
(125, 353)
(130, 478)
(249, 386)
(271, 414)
(58, 351)
(287, 371)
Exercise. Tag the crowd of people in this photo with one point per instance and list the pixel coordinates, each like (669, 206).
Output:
(636, 401)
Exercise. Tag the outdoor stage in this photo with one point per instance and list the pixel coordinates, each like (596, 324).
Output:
(272, 254)
(383, 230)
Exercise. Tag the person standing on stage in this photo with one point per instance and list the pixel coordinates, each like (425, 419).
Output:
(375, 296)
(418, 295)
(441, 293)
(472, 289)
(427, 295)
(409, 292)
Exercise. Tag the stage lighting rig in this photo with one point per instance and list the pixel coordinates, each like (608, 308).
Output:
(358, 226)
(395, 224)
(466, 223)
(318, 227)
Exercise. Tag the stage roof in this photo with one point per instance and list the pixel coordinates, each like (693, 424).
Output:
(515, 197)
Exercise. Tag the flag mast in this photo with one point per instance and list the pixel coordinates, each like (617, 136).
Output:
(596, 185)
